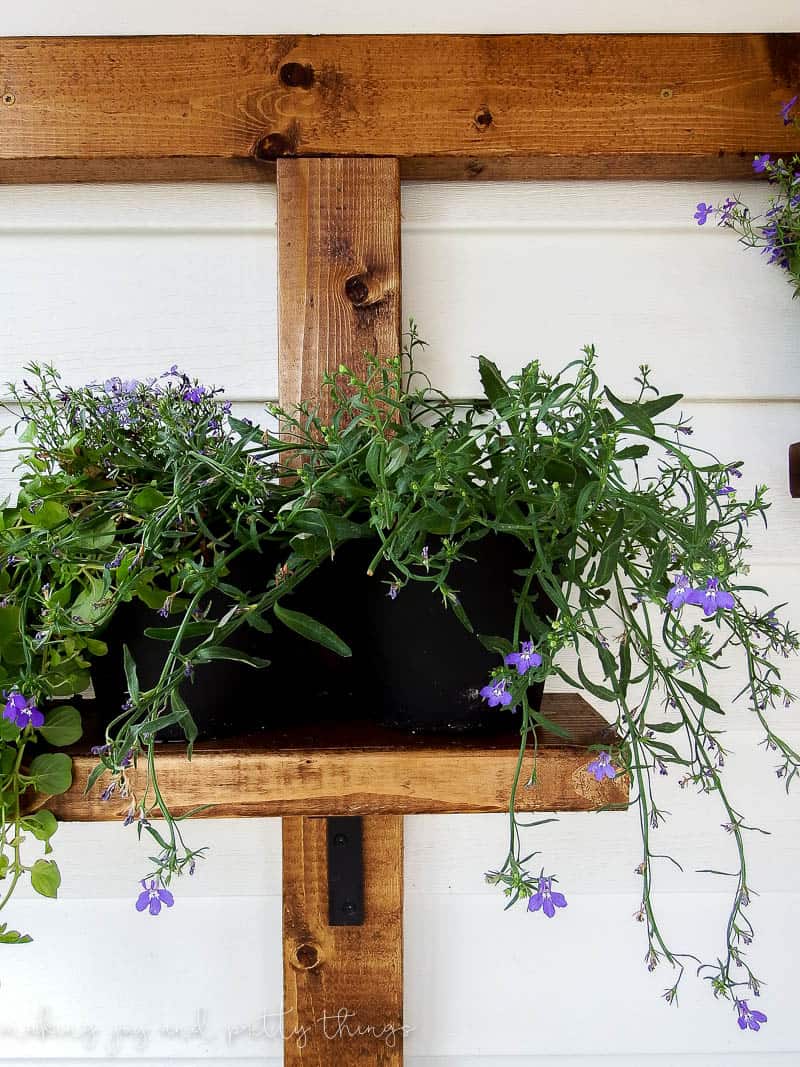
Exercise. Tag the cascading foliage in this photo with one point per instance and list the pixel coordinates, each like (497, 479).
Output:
(151, 489)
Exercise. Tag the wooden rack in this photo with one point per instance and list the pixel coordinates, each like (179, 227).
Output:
(337, 121)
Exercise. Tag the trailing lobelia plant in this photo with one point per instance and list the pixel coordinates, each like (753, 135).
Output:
(777, 231)
(634, 541)
(129, 490)
(637, 539)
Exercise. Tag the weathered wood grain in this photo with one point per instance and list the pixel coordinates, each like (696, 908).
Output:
(528, 106)
(342, 985)
(363, 769)
(338, 298)
(338, 269)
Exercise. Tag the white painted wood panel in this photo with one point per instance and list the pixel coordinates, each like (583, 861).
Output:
(534, 270)
(43, 17)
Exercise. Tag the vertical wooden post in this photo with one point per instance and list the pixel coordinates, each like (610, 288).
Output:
(339, 298)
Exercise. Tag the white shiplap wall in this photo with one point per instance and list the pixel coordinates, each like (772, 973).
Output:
(128, 279)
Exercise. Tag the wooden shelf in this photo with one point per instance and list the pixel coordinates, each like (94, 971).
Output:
(363, 769)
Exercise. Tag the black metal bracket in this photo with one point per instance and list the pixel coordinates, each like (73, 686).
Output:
(345, 871)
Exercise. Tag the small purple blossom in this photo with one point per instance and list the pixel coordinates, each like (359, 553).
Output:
(546, 899)
(394, 589)
(749, 1018)
(702, 213)
(760, 163)
(726, 490)
(496, 693)
(785, 109)
(22, 712)
(601, 767)
(194, 393)
(711, 598)
(524, 659)
(100, 750)
(679, 592)
(152, 897)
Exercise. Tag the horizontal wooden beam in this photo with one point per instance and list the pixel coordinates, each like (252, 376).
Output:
(536, 106)
(361, 769)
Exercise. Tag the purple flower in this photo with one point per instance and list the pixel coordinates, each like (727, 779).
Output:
(601, 767)
(785, 109)
(524, 659)
(152, 897)
(496, 693)
(702, 213)
(760, 163)
(546, 899)
(727, 209)
(726, 490)
(679, 592)
(394, 589)
(194, 394)
(749, 1017)
(22, 712)
(710, 598)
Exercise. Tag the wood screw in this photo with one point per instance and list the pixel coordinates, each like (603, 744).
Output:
(666, 94)
(9, 99)
(483, 118)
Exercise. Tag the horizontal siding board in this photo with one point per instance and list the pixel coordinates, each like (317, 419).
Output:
(45, 18)
(667, 295)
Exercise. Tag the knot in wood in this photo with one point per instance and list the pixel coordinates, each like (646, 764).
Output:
(297, 75)
(356, 290)
(306, 956)
(483, 118)
(274, 145)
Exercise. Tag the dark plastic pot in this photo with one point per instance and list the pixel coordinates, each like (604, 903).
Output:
(225, 698)
(422, 669)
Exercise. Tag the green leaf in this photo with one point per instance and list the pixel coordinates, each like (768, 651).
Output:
(95, 647)
(596, 690)
(51, 773)
(88, 604)
(46, 878)
(131, 677)
(206, 653)
(633, 452)
(48, 516)
(42, 825)
(501, 645)
(9, 624)
(8, 730)
(634, 413)
(660, 403)
(13, 937)
(185, 720)
(664, 727)
(702, 698)
(494, 385)
(312, 630)
(149, 499)
(258, 622)
(62, 726)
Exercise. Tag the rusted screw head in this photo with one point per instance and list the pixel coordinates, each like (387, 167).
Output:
(666, 94)
(483, 119)
(9, 99)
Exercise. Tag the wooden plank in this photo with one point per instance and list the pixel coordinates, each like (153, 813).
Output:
(338, 268)
(342, 997)
(362, 769)
(338, 298)
(526, 106)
